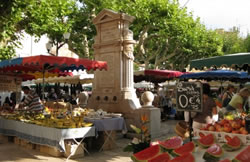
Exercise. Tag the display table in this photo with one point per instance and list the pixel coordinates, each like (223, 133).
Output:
(108, 125)
(43, 135)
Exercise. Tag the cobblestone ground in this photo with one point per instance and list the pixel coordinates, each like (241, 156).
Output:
(9, 152)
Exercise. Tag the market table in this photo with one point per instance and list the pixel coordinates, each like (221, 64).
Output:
(108, 125)
(43, 135)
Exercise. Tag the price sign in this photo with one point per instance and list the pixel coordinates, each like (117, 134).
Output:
(189, 96)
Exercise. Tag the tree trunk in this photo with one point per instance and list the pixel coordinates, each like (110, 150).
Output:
(85, 46)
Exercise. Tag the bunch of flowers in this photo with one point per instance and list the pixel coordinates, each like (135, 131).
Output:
(138, 144)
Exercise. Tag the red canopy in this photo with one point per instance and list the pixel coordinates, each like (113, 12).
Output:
(156, 76)
(53, 64)
(50, 63)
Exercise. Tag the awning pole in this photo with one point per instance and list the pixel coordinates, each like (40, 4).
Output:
(43, 84)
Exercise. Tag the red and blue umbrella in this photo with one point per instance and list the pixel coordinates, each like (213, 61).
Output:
(49, 63)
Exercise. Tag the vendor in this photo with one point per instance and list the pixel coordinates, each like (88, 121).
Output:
(236, 103)
(201, 119)
(83, 99)
(32, 100)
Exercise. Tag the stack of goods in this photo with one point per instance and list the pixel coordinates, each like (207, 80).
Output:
(100, 114)
(227, 128)
(57, 118)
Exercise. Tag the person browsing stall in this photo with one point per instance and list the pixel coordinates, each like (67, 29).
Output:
(209, 109)
(32, 100)
(227, 96)
(236, 103)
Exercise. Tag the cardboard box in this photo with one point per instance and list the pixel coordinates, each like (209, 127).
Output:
(3, 139)
(53, 151)
(17, 141)
(30, 146)
(23, 142)
(76, 151)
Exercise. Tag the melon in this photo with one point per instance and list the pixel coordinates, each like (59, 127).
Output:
(164, 157)
(172, 143)
(225, 160)
(206, 141)
(213, 153)
(201, 134)
(186, 148)
(146, 154)
(184, 158)
(243, 156)
(232, 143)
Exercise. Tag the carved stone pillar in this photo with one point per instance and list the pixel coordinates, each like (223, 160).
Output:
(113, 90)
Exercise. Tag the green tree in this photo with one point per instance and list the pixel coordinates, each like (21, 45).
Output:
(247, 43)
(167, 35)
(52, 18)
(36, 18)
(10, 26)
(164, 32)
(232, 41)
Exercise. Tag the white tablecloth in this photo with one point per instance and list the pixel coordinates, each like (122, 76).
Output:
(43, 135)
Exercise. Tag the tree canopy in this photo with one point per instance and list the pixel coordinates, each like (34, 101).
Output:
(167, 36)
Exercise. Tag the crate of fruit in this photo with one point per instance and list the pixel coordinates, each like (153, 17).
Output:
(219, 136)
(225, 127)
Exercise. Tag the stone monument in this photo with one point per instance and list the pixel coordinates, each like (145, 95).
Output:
(113, 90)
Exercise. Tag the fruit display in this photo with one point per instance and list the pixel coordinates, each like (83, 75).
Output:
(236, 126)
(189, 152)
(186, 148)
(172, 143)
(184, 158)
(213, 153)
(243, 156)
(232, 143)
(206, 140)
(159, 151)
(163, 157)
(57, 118)
(147, 154)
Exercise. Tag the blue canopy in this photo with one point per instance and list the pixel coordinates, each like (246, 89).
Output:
(217, 75)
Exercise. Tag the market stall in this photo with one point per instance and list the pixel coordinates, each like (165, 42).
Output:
(56, 124)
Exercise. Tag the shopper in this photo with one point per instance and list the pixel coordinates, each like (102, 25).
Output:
(227, 96)
(236, 103)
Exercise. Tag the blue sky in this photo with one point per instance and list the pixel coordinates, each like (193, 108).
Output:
(221, 13)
